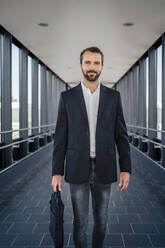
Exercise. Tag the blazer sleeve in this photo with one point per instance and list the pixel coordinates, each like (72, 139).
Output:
(122, 141)
(60, 139)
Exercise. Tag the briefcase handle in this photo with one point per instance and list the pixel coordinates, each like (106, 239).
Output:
(58, 193)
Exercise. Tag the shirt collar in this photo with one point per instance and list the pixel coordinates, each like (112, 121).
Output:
(85, 88)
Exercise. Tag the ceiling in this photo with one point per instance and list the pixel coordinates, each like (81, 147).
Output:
(77, 24)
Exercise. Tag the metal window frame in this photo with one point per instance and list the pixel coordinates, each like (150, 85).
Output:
(6, 88)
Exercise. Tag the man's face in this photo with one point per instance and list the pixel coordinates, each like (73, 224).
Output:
(91, 66)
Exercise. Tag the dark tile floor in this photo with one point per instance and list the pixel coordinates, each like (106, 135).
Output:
(136, 216)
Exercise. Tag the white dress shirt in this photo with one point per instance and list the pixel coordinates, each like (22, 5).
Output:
(92, 103)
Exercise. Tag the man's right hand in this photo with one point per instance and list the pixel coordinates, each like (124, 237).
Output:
(56, 180)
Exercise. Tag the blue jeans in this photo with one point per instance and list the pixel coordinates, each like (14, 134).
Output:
(100, 194)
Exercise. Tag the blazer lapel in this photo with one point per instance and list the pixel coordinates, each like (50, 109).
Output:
(80, 98)
(101, 101)
(83, 105)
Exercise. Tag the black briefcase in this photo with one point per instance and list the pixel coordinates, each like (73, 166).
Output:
(56, 219)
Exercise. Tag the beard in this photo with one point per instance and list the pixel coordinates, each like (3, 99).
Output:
(91, 77)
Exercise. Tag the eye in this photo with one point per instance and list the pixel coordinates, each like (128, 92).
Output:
(97, 63)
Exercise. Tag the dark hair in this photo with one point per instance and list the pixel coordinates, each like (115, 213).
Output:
(93, 50)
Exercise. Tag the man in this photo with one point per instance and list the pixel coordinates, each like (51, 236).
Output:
(90, 124)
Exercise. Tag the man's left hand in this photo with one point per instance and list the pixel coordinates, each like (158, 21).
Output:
(124, 180)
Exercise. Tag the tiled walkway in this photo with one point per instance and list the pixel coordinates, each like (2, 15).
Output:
(136, 216)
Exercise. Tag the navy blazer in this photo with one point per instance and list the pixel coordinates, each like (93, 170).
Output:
(72, 139)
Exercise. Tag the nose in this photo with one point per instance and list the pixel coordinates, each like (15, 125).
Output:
(92, 67)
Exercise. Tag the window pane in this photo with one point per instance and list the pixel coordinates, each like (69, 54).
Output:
(159, 91)
(39, 96)
(15, 91)
(0, 82)
(29, 95)
(147, 100)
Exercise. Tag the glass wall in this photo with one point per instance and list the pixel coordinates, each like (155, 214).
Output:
(39, 96)
(29, 95)
(147, 93)
(15, 91)
(0, 83)
(19, 71)
(149, 104)
(159, 91)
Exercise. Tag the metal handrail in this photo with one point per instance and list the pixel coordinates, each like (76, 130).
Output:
(144, 138)
(157, 130)
(30, 128)
(21, 141)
